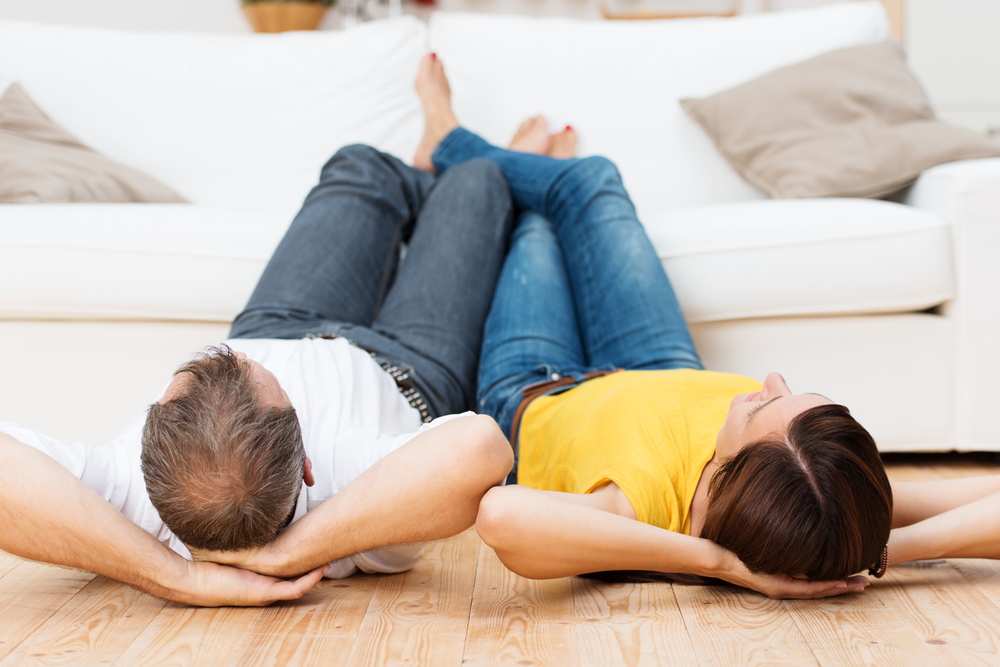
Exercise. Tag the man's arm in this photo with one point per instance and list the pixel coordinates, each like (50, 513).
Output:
(968, 531)
(915, 501)
(48, 515)
(543, 534)
(428, 489)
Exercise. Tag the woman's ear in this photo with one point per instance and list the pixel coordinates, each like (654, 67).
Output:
(307, 473)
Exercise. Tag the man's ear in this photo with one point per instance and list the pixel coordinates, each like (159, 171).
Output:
(307, 473)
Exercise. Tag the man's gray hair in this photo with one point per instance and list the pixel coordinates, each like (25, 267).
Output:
(223, 473)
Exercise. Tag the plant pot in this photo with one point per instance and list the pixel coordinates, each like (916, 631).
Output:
(284, 16)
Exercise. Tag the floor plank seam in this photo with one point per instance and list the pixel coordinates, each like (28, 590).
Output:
(472, 601)
(812, 650)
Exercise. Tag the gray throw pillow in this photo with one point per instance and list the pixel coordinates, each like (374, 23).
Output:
(849, 123)
(42, 163)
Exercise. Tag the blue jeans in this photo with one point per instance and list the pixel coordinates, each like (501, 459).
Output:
(337, 270)
(582, 288)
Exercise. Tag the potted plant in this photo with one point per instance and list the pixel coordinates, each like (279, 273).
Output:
(284, 15)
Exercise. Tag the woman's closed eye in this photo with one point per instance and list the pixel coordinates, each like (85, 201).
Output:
(753, 411)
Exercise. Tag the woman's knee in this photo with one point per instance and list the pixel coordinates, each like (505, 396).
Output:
(596, 171)
(531, 227)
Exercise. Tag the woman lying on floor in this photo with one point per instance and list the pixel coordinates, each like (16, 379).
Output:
(663, 467)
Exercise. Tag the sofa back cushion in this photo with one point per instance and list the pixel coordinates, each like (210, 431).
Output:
(619, 83)
(42, 163)
(235, 120)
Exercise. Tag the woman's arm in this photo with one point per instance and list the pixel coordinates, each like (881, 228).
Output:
(542, 535)
(916, 501)
(48, 515)
(428, 489)
(968, 531)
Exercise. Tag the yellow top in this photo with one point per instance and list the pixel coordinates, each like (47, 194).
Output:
(650, 432)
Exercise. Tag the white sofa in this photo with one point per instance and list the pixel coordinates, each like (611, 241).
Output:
(889, 308)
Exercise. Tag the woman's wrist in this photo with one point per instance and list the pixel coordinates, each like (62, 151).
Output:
(716, 562)
(905, 544)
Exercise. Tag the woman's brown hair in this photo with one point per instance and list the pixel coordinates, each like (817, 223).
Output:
(814, 501)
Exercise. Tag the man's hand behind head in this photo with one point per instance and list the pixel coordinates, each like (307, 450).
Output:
(213, 585)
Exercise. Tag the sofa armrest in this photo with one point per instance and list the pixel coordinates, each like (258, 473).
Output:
(967, 195)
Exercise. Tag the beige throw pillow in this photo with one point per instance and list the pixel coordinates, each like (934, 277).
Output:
(42, 163)
(849, 123)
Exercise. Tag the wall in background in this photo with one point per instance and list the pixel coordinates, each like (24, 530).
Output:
(952, 45)
(954, 48)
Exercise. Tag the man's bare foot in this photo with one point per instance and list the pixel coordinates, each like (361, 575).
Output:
(435, 96)
(531, 137)
(562, 145)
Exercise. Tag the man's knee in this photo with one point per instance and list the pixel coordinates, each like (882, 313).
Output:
(353, 154)
(481, 176)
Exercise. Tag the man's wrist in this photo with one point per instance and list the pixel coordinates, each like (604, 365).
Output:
(169, 577)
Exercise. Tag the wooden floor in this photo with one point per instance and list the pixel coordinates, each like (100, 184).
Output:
(462, 606)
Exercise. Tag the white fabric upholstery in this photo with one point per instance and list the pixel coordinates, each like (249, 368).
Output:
(803, 257)
(967, 195)
(132, 261)
(727, 261)
(894, 372)
(618, 83)
(237, 120)
(86, 381)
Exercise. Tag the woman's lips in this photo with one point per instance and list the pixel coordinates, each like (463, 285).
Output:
(751, 397)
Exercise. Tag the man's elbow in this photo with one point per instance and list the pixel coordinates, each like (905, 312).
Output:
(487, 454)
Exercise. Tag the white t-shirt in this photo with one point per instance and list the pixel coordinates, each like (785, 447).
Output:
(351, 414)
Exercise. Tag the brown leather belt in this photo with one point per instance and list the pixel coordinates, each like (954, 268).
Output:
(533, 391)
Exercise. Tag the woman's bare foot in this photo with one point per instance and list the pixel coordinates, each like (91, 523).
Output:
(435, 96)
(531, 137)
(562, 145)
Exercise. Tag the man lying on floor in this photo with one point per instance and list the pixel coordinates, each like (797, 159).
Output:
(309, 441)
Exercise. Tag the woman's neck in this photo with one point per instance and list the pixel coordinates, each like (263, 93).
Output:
(699, 504)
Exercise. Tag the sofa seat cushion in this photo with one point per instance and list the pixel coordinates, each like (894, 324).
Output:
(132, 261)
(727, 261)
(803, 257)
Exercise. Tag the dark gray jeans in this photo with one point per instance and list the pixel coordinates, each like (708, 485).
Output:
(337, 270)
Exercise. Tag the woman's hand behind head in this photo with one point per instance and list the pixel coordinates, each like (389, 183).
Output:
(781, 586)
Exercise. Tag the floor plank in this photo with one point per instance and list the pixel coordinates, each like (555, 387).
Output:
(460, 607)
(95, 626)
(180, 636)
(320, 627)
(421, 617)
(958, 624)
(8, 563)
(984, 575)
(731, 626)
(636, 625)
(518, 621)
(858, 629)
(30, 593)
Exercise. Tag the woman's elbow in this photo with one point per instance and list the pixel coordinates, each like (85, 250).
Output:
(496, 519)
